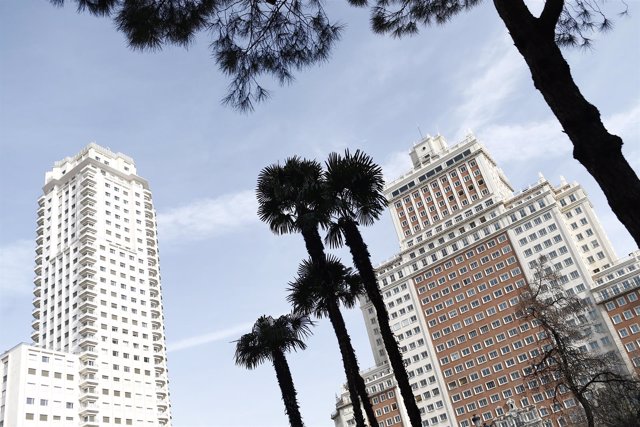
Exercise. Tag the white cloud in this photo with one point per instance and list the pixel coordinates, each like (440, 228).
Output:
(198, 340)
(395, 165)
(16, 267)
(525, 141)
(206, 218)
(545, 139)
(485, 86)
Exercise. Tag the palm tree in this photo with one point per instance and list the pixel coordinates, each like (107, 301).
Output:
(354, 187)
(292, 199)
(270, 339)
(319, 291)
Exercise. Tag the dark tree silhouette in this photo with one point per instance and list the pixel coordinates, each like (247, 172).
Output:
(561, 364)
(354, 189)
(292, 199)
(320, 291)
(269, 340)
(276, 37)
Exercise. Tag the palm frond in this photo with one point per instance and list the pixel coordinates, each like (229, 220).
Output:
(267, 335)
(290, 195)
(315, 287)
(355, 183)
(335, 236)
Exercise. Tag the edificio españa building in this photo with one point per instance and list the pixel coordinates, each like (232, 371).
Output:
(468, 243)
(98, 356)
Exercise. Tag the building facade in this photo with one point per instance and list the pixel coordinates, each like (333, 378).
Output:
(39, 387)
(468, 243)
(617, 294)
(97, 293)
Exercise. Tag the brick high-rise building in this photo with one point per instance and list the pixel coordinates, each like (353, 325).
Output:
(468, 243)
(98, 301)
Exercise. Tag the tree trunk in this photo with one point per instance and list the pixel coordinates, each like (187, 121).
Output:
(355, 383)
(362, 261)
(350, 361)
(287, 388)
(593, 146)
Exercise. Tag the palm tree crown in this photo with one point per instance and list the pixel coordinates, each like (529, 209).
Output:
(292, 195)
(270, 335)
(354, 189)
(313, 290)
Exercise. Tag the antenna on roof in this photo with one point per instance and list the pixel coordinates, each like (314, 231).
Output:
(420, 132)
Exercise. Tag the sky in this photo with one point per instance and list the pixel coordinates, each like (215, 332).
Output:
(67, 80)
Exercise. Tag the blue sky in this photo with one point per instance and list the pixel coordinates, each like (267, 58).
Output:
(68, 79)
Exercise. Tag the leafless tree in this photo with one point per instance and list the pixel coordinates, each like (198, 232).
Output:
(563, 363)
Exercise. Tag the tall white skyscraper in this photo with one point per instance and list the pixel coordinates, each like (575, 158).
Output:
(97, 298)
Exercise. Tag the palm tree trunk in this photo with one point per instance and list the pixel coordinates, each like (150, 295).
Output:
(362, 261)
(285, 381)
(355, 399)
(350, 361)
(593, 146)
(315, 248)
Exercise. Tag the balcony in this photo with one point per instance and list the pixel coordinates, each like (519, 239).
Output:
(39, 250)
(41, 211)
(87, 269)
(38, 269)
(89, 408)
(86, 304)
(87, 256)
(87, 316)
(161, 382)
(154, 299)
(87, 219)
(159, 359)
(88, 368)
(88, 393)
(154, 310)
(88, 328)
(88, 340)
(35, 336)
(88, 355)
(87, 230)
(87, 201)
(89, 422)
(161, 395)
(40, 229)
(35, 324)
(36, 300)
(87, 280)
(88, 191)
(88, 210)
(149, 223)
(88, 292)
(153, 282)
(88, 380)
(88, 180)
(159, 370)
(153, 272)
(36, 312)
(87, 239)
